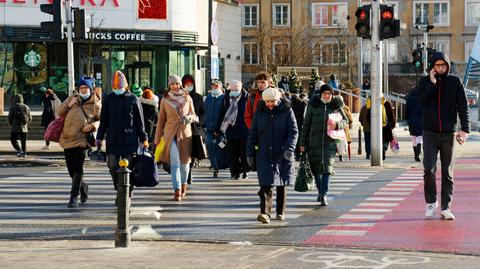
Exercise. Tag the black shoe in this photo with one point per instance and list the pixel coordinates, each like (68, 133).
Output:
(84, 194)
(368, 157)
(340, 158)
(73, 203)
(323, 200)
(189, 180)
(417, 159)
(215, 173)
(244, 176)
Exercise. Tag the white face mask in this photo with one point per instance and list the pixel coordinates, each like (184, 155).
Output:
(189, 88)
(85, 96)
(119, 91)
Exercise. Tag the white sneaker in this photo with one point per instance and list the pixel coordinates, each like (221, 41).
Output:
(46, 148)
(430, 211)
(447, 215)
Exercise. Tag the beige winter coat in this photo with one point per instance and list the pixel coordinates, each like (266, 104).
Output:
(72, 135)
(169, 127)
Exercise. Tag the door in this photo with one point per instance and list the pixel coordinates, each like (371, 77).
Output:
(139, 73)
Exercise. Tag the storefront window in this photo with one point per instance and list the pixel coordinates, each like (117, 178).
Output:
(6, 69)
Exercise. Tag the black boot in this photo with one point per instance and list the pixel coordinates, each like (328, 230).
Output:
(73, 203)
(419, 150)
(76, 183)
(83, 192)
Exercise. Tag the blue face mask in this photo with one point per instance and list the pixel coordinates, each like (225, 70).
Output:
(216, 92)
(235, 93)
(85, 96)
(119, 91)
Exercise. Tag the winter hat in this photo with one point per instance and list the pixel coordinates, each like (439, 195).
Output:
(270, 94)
(87, 81)
(174, 79)
(119, 81)
(326, 87)
(235, 85)
(188, 80)
(148, 94)
(136, 90)
(43, 89)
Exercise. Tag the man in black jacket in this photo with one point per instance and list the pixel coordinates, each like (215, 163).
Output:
(442, 97)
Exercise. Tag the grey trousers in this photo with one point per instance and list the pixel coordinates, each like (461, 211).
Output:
(432, 144)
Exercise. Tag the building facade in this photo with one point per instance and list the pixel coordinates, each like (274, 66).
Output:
(147, 40)
(278, 34)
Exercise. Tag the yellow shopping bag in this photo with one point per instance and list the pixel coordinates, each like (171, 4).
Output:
(159, 150)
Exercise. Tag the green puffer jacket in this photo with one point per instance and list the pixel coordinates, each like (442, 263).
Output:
(320, 148)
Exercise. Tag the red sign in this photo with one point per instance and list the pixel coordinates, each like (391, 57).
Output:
(152, 9)
(92, 3)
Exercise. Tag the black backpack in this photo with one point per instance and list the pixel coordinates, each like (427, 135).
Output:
(21, 115)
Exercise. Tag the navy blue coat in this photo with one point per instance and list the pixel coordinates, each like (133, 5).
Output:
(214, 113)
(413, 113)
(281, 136)
(240, 129)
(121, 119)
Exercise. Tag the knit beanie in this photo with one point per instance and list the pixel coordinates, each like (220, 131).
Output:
(325, 88)
(270, 94)
(87, 81)
(174, 79)
(148, 94)
(136, 90)
(119, 81)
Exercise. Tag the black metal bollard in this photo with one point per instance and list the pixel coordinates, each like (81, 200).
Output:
(122, 233)
(360, 140)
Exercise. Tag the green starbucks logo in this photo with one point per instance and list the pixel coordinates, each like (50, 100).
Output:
(32, 58)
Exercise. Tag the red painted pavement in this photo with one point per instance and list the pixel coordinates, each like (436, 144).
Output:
(405, 227)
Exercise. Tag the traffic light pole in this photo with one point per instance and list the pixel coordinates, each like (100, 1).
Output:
(376, 88)
(425, 52)
(68, 17)
(360, 57)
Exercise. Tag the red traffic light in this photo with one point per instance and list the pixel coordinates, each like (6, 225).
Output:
(387, 14)
(363, 15)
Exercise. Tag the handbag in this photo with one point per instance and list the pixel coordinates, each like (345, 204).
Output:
(336, 134)
(90, 136)
(394, 146)
(145, 171)
(98, 156)
(199, 149)
(159, 149)
(304, 179)
(54, 130)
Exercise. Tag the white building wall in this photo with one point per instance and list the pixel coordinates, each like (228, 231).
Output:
(228, 17)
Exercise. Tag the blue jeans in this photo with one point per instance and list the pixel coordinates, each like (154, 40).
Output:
(321, 180)
(211, 149)
(179, 170)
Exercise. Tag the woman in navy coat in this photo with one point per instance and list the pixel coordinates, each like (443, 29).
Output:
(274, 132)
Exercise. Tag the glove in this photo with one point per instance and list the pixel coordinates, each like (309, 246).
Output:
(98, 143)
(288, 155)
(145, 144)
(250, 161)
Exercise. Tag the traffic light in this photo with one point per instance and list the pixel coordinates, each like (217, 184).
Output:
(55, 27)
(417, 59)
(363, 22)
(80, 24)
(389, 26)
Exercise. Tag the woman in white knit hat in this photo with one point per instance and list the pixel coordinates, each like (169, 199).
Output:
(272, 139)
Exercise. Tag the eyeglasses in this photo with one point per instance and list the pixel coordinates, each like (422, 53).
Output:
(440, 65)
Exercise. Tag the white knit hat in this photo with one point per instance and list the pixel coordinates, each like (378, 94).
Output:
(270, 94)
(174, 79)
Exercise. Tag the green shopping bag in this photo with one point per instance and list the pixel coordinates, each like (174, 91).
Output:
(304, 180)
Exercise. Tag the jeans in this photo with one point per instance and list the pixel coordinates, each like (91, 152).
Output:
(432, 144)
(211, 149)
(368, 144)
(321, 180)
(179, 171)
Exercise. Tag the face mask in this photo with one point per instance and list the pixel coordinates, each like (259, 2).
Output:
(119, 91)
(189, 89)
(235, 93)
(216, 92)
(85, 96)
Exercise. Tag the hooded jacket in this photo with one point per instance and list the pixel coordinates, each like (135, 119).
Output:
(197, 98)
(12, 119)
(443, 101)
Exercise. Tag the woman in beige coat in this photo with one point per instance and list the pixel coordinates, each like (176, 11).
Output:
(173, 126)
(73, 138)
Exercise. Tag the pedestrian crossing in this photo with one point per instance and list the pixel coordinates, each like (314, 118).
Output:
(34, 206)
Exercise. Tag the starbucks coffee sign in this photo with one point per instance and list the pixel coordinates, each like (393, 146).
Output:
(32, 58)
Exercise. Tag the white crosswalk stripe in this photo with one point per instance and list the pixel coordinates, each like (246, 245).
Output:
(34, 206)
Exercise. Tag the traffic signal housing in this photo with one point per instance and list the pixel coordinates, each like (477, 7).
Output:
(417, 60)
(363, 22)
(389, 26)
(80, 24)
(54, 27)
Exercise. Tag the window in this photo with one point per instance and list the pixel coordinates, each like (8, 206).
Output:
(249, 15)
(472, 13)
(329, 15)
(250, 53)
(440, 13)
(468, 50)
(392, 52)
(421, 13)
(330, 53)
(281, 14)
(281, 52)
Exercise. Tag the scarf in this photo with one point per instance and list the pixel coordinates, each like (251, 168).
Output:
(177, 100)
(231, 114)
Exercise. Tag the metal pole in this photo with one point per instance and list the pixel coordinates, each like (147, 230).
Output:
(209, 58)
(359, 140)
(122, 233)
(70, 59)
(385, 67)
(360, 58)
(376, 91)
(425, 54)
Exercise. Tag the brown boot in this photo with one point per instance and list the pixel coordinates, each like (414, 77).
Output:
(184, 190)
(178, 195)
